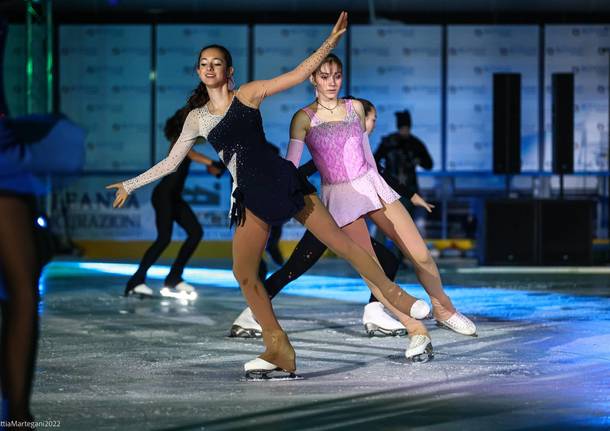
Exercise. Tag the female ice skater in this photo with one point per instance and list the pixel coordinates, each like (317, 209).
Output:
(169, 206)
(309, 250)
(333, 130)
(267, 190)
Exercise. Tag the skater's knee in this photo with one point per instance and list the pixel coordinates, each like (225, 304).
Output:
(163, 240)
(342, 247)
(422, 258)
(244, 278)
(196, 234)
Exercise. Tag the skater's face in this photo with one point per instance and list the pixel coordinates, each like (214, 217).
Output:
(370, 120)
(212, 68)
(327, 80)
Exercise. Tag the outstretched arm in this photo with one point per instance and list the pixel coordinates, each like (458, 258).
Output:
(190, 133)
(254, 92)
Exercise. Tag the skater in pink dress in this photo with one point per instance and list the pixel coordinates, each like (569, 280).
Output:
(352, 189)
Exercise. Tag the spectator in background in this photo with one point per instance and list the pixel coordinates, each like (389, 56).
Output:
(399, 154)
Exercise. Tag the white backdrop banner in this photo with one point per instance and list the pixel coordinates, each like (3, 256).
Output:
(475, 53)
(85, 208)
(578, 50)
(104, 84)
(398, 67)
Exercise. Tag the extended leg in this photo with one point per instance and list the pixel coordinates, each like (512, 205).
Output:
(317, 219)
(248, 246)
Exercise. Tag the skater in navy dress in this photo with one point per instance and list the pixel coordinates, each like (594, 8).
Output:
(268, 190)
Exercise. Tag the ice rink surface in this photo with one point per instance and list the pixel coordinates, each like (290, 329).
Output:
(541, 361)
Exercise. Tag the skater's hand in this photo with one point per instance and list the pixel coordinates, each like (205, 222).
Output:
(216, 169)
(418, 201)
(121, 194)
(338, 30)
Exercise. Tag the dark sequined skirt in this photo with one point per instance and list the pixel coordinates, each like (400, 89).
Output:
(273, 201)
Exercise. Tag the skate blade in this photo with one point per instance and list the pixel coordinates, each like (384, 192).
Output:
(276, 375)
(138, 295)
(448, 328)
(373, 330)
(239, 332)
(424, 357)
(186, 296)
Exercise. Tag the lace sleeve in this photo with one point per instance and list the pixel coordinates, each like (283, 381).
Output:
(188, 136)
(295, 151)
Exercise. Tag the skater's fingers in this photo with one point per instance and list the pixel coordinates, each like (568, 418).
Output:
(114, 186)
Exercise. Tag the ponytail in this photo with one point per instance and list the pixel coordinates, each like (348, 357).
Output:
(198, 98)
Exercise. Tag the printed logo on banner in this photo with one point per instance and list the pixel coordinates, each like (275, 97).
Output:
(591, 69)
(499, 31)
(468, 51)
(176, 50)
(395, 31)
(396, 68)
(89, 90)
(104, 107)
(565, 50)
(131, 50)
(594, 31)
(198, 31)
(378, 51)
(130, 127)
(474, 89)
(528, 51)
(275, 50)
(176, 89)
(102, 30)
(132, 89)
(368, 89)
(299, 31)
(430, 90)
(425, 51)
(82, 51)
(104, 70)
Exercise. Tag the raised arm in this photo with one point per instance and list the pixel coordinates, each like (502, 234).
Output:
(254, 92)
(190, 133)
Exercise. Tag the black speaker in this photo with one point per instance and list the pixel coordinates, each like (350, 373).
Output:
(506, 123)
(563, 123)
(510, 232)
(566, 232)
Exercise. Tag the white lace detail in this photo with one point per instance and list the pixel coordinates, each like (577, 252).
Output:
(199, 122)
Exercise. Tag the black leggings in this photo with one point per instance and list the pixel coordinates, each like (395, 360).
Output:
(168, 209)
(308, 251)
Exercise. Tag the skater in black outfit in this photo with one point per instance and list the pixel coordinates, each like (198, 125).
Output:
(169, 206)
(268, 190)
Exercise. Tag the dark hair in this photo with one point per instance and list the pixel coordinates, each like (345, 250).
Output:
(329, 59)
(403, 118)
(174, 124)
(366, 104)
(200, 96)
